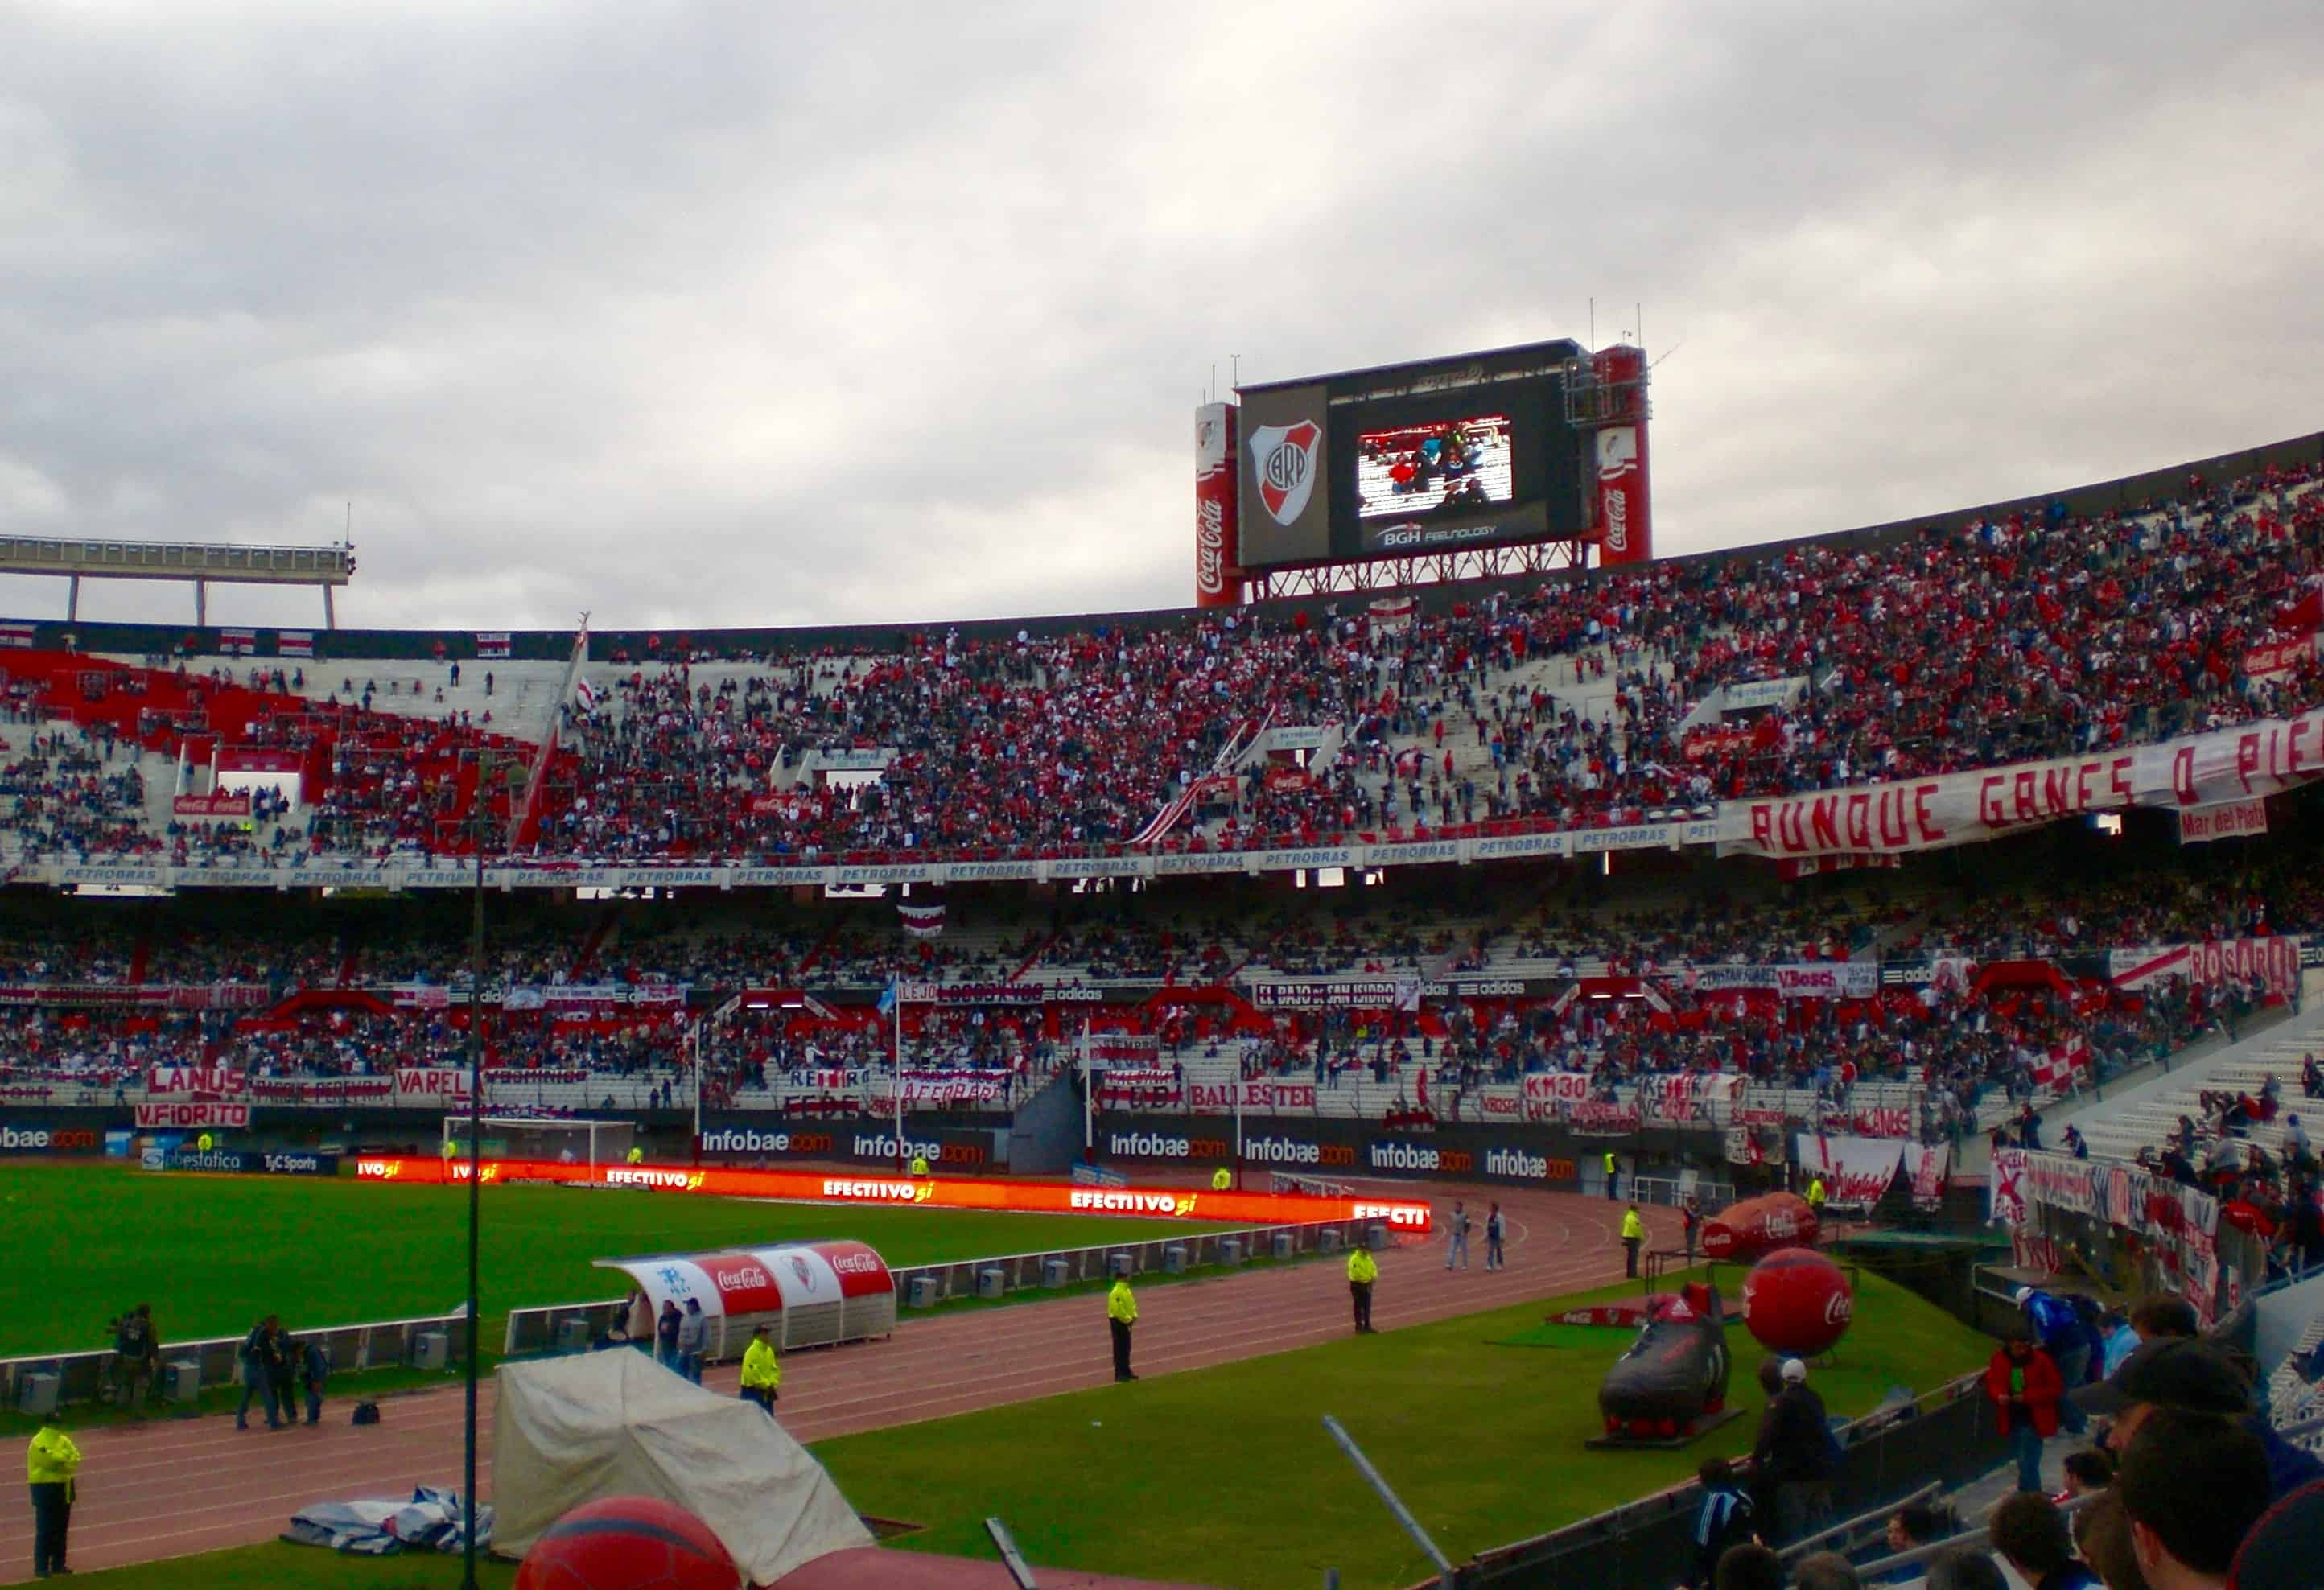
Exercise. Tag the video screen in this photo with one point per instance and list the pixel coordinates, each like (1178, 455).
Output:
(1445, 467)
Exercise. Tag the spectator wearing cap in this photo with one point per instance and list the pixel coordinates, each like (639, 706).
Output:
(1793, 1455)
(2193, 1486)
(2285, 1550)
(2023, 1386)
(2180, 1374)
(2030, 1533)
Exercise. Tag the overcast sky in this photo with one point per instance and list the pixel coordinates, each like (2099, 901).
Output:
(762, 313)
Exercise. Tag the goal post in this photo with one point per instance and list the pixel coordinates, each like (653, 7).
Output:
(526, 1138)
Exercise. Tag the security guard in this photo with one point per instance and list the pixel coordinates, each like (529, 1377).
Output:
(763, 1372)
(919, 1164)
(1815, 1196)
(1613, 1174)
(1363, 1271)
(636, 1154)
(51, 1463)
(1120, 1314)
(1633, 1236)
(1221, 1178)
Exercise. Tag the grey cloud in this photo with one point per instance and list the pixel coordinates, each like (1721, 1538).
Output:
(702, 315)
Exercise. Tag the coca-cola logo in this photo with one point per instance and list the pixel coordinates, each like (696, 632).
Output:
(1838, 1309)
(1618, 520)
(1210, 550)
(748, 1278)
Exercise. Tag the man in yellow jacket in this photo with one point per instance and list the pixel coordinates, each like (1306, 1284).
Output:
(1815, 1196)
(763, 1372)
(1221, 1178)
(51, 1463)
(1634, 1236)
(1363, 1271)
(1120, 1314)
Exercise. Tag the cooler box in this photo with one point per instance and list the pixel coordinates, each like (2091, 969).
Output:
(1174, 1259)
(1285, 1245)
(921, 1293)
(1229, 1250)
(1327, 1240)
(991, 1283)
(1376, 1237)
(182, 1382)
(1118, 1265)
(433, 1349)
(1055, 1272)
(573, 1334)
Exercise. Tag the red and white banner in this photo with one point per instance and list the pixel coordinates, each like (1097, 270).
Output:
(14, 632)
(1218, 583)
(1203, 1098)
(294, 642)
(1686, 1097)
(188, 1116)
(2274, 961)
(219, 802)
(423, 1086)
(1557, 1086)
(420, 996)
(1856, 1170)
(1800, 979)
(953, 1088)
(1929, 1167)
(322, 1089)
(492, 643)
(2055, 1071)
(2224, 820)
(238, 642)
(2277, 657)
(196, 1081)
(1592, 1119)
(1625, 529)
(1946, 809)
(1123, 1049)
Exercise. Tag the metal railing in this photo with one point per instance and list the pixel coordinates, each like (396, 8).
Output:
(538, 1330)
(88, 1376)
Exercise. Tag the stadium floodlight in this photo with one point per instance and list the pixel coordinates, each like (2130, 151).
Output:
(562, 1140)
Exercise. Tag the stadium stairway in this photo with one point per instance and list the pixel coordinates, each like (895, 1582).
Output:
(2139, 1115)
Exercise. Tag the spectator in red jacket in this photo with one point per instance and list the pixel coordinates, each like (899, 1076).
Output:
(2024, 1385)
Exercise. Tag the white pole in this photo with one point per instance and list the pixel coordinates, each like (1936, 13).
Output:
(1089, 1110)
(903, 1159)
(1238, 1118)
(697, 1089)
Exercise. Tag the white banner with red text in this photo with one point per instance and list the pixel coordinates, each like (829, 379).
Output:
(188, 1116)
(196, 1081)
(1856, 1170)
(1944, 809)
(2272, 962)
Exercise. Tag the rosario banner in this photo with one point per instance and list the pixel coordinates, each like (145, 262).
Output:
(2247, 763)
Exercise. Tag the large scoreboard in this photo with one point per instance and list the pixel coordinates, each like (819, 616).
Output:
(1445, 455)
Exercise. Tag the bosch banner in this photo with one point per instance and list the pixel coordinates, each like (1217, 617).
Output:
(1058, 1198)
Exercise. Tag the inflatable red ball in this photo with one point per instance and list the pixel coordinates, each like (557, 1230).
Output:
(1797, 1302)
(628, 1543)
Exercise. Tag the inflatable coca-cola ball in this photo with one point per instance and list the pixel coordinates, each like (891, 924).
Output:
(1797, 1302)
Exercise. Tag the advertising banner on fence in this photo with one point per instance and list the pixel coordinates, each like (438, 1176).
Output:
(2254, 761)
(2274, 961)
(260, 1164)
(936, 1193)
(330, 1090)
(1856, 1170)
(182, 1117)
(953, 1088)
(1804, 980)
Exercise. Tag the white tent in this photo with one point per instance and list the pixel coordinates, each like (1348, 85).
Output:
(574, 1430)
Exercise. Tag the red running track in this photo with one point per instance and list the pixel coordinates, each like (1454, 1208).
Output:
(169, 1488)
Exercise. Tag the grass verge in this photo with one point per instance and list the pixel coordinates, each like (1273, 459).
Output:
(1227, 1477)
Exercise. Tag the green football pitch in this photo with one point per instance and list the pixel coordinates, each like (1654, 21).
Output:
(1225, 1476)
(213, 1253)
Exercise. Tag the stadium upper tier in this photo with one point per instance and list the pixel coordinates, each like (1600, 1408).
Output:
(1569, 706)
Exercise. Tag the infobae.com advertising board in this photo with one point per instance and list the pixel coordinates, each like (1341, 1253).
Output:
(1037, 1197)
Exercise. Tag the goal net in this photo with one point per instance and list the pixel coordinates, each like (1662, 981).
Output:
(561, 1141)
